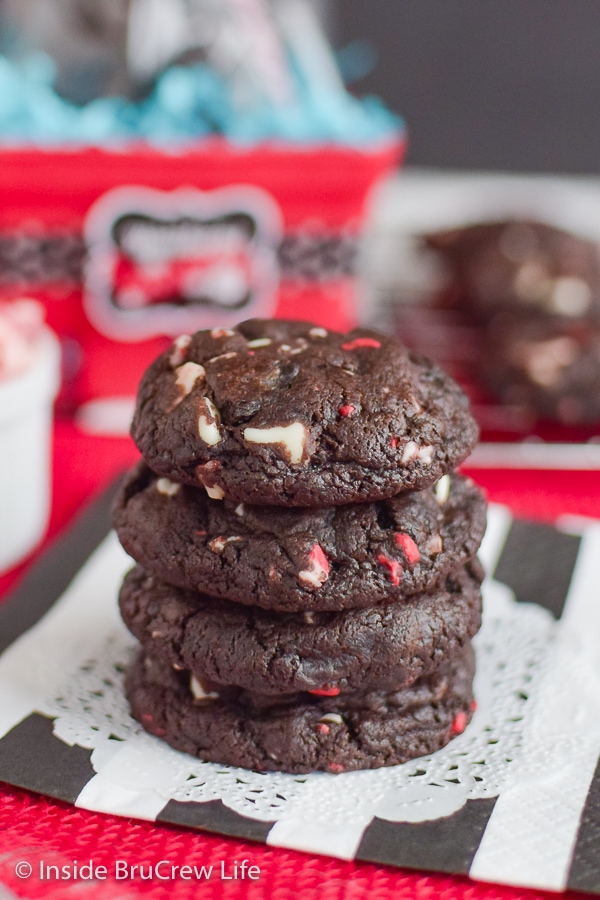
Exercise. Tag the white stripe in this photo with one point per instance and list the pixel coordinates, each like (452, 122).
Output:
(341, 841)
(499, 520)
(530, 837)
(101, 795)
(35, 662)
(570, 457)
(133, 777)
(580, 621)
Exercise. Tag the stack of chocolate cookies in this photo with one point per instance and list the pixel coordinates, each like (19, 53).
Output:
(307, 588)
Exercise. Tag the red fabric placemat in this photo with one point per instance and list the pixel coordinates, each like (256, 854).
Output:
(34, 829)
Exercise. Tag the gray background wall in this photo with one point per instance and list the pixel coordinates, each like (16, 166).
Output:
(500, 84)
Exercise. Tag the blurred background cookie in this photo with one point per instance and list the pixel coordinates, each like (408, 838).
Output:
(521, 268)
(534, 290)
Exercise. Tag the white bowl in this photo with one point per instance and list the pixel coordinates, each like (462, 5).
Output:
(25, 452)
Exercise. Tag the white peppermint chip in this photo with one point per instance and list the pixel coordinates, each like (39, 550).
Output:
(291, 437)
(314, 577)
(187, 376)
(434, 545)
(215, 492)
(239, 510)
(545, 360)
(442, 489)
(198, 691)
(425, 455)
(260, 342)
(223, 356)
(221, 332)
(570, 296)
(411, 450)
(180, 345)
(532, 282)
(208, 427)
(218, 544)
(167, 487)
(318, 333)
(309, 618)
(332, 718)
(300, 347)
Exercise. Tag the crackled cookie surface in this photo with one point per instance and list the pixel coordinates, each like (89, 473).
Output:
(286, 413)
(388, 646)
(302, 733)
(340, 557)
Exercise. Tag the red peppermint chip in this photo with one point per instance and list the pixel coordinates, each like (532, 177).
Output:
(325, 692)
(317, 556)
(394, 443)
(336, 768)
(148, 718)
(361, 342)
(406, 543)
(393, 566)
(460, 722)
(347, 410)
(318, 570)
(322, 728)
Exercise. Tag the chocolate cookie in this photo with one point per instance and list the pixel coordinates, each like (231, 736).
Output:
(388, 646)
(552, 371)
(300, 559)
(521, 268)
(288, 414)
(301, 733)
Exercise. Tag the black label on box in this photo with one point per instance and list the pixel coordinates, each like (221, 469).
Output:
(170, 263)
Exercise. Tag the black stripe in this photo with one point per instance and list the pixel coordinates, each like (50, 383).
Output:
(32, 758)
(443, 845)
(214, 816)
(49, 578)
(537, 562)
(584, 874)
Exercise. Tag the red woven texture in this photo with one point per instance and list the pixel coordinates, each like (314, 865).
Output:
(35, 829)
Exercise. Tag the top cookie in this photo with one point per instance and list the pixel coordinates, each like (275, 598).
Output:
(286, 413)
(521, 267)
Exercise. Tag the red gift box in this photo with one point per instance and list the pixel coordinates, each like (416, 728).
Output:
(129, 248)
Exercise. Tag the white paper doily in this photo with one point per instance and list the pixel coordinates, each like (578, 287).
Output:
(513, 649)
